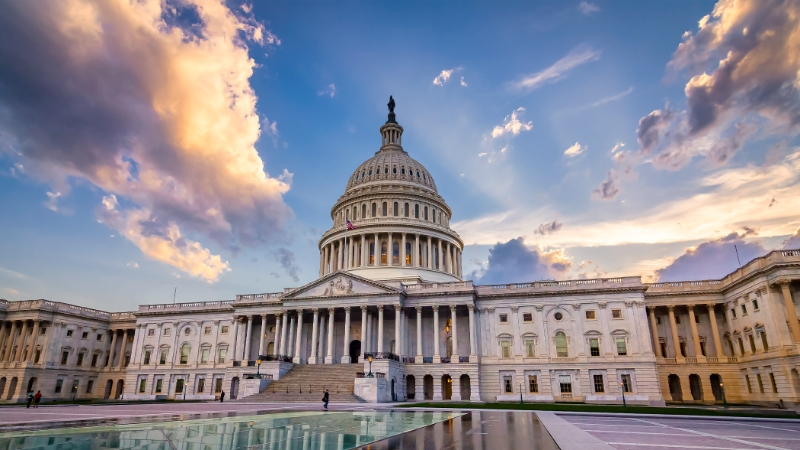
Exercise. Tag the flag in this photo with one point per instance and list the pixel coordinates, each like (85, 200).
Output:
(350, 225)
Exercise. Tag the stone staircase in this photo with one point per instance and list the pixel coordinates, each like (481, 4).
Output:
(307, 383)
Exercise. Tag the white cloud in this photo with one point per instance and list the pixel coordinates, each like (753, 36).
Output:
(330, 91)
(482, 154)
(442, 78)
(608, 99)
(574, 150)
(52, 202)
(588, 8)
(576, 57)
(463, 83)
(135, 265)
(512, 124)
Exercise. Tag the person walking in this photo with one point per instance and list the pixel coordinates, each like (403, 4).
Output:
(222, 396)
(30, 398)
(37, 398)
(325, 399)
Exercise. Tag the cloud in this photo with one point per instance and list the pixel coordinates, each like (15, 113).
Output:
(482, 154)
(463, 83)
(608, 99)
(587, 8)
(549, 228)
(444, 75)
(161, 240)
(512, 124)
(152, 104)
(513, 261)
(793, 242)
(574, 150)
(133, 264)
(52, 202)
(712, 259)
(330, 91)
(576, 57)
(287, 260)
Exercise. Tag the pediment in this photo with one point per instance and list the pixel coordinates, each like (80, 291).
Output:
(341, 284)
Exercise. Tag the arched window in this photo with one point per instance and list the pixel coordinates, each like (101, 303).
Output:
(384, 209)
(370, 172)
(347, 214)
(423, 177)
(355, 212)
(405, 210)
(384, 252)
(374, 210)
(403, 170)
(416, 211)
(396, 209)
(394, 170)
(395, 252)
(363, 211)
(418, 174)
(408, 253)
(425, 213)
(561, 345)
(185, 348)
(436, 258)
(433, 215)
(271, 348)
(386, 170)
(372, 253)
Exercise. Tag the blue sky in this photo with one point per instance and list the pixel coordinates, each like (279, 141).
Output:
(527, 114)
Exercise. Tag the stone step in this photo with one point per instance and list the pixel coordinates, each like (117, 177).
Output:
(307, 383)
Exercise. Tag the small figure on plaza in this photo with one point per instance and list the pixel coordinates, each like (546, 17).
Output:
(222, 396)
(325, 399)
(37, 398)
(30, 399)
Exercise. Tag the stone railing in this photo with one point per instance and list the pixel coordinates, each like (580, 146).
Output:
(186, 306)
(382, 355)
(47, 305)
(281, 358)
(270, 297)
(439, 286)
(388, 221)
(549, 285)
(563, 360)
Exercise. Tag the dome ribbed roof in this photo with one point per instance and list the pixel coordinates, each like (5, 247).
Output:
(394, 165)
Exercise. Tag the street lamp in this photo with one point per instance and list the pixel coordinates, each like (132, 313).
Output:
(724, 401)
(258, 368)
(520, 391)
(622, 387)
(370, 375)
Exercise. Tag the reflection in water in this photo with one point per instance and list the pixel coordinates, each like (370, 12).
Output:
(285, 431)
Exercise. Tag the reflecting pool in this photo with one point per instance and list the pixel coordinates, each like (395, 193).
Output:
(280, 431)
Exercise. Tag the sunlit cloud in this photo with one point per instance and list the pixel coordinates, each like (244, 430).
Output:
(444, 76)
(588, 8)
(576, 57)
(512, 124)
(574, 150)
(329, 91)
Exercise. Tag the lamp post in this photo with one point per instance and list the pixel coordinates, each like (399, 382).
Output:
(520, 391)
(724, 401)
(258, 368)
(370, 375)
(622, 387)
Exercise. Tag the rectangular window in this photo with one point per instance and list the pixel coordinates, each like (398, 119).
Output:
(224, 329)
(622, 349)
(760, 383)
(222, 353)
(744, 309)
(36, 355)
(163, 359)
(99, 337)
(75, 386)
(142, 385)
(683, 349)
(594, 346)
(167, 331)
(658, 320)
(703, 347)
(755, 305)
(85, 335)
(59, 386)
(69, 333)
(590, 315)
(130, 339)
(527, 317)
(565, 384)
(159, 383)
(89, 386)
(752, 343)
(179, 386)
(201, 385)
(627, 386)
(733, 312)
(616, 314)
(533, 384)
(741, 346)
(146, 357)
(772, 382)
(697, 318)
(677, 319)
(64, 357)
(218, 385)
(599, 386)
(43, 331)
(80, 358)
(764, 340)
(747, 381)
(507, 386)
(204, 356)
(503, 318)
(206, 330)
(530, 348)
(505, 347)
(151, 332)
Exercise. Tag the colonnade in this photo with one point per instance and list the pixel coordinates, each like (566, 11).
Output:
(19, 343)
(390, 249)
(710, 307)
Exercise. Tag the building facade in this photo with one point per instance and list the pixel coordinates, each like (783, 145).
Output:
(390, 290)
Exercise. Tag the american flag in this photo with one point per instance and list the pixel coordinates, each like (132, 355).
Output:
(350, 225)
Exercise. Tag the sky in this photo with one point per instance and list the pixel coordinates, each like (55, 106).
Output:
(192, 150)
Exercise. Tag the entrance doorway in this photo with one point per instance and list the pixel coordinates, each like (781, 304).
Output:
(120, 388)
(716, 386)
(427, 387)
(107, 394)
(235, 388)
(394, 390)
(466, 391)
(411, 387)
(355, 351)
(447, 387)
(675, 388)
(695, 387)
(12, 388)
(31, 384)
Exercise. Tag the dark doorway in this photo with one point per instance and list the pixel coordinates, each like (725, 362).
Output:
(31, 384)
(427, 387)
(235, 388)
(355, 351)
(2, 386)
(675, 388)
(695, 387)
(107, 394)
(447, 387)
(120, 388)
(394, 390)
(716, 386)
(12, 388)
(466, 390)
(411, 388)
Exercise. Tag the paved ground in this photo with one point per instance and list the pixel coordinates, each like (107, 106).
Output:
(666, 433)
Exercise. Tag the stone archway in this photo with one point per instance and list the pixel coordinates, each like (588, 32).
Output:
(107, 393)
(234, 388)
(411, 386)
(2, 385)
(355, 351)
(716, 387)
(31, 384)
(427, 387)
(466, 389)
(447, 387)
(12, 388)
(695, 387)
(675, 388)
(120, 388)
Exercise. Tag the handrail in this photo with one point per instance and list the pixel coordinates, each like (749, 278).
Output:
(311, 388)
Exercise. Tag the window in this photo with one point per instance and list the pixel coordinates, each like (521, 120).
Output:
(616, 314)
(64, 357)
(752, 343)
(733, 312)
(167, 331)
(146, 357)
(677, 319)
(224, 329)
(396, 209)
(142, 385)
(405, 208)
(697, 318)
(622, 349)
(163, 358)
(627, 386)
(425, 213)
(503, 318)
(561, 345)
(363, 211)
(703, 348)
(36, 355)
(85, 335)
(383, 209)
(59, 386)
(508, 388)
(416, 211)
(159, 383)
(505, 348)
(594, 346)
(565, 384)
(80, 358)
(206, 330)
(222, 352)
(599, 386)
(744, 309)
(151, 332)
(43, 331)
(747, 382)
(527, 317)
(187, 331)
(89, 386)
(682, 345)
(185, 348)
(755, 305)
(179, 386)
(530, 348)
(663, 348)
(658, 320)
(99, 337)
(558, 316)
(590, 315)
(218, 385)
(772, 382)
(533, 384)
(764, 340)
(760, 383)
(69, 333)
(741, 346)
(204, 355)
(201, 385)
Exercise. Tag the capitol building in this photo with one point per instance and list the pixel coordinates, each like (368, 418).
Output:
(391, 318)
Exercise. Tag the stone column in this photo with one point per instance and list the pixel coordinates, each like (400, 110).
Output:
(437, 357)
(397, 321)
(403, 249)
(346, 352)
(314, 331)
(363, 333)
(449, 260)
(429, 265)
(698, 352)
(33, 340)
(110, 361)
(377, 261)
(263, 336)
(298, 339)
(284, 319)
(440, 265)
(418, 357)
(329, 357)
(12, 337)
(364, 252)
(676, 343)
(454, 356)
(319, 345)
(390, 251)
(248, 337)
(791, 313)
(22, 338)
(124, 346)
(415, 254)
(718, 352)
(342, 253)
(654, 331)
(473, 354)
(380, 328)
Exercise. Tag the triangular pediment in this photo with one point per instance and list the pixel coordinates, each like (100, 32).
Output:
(341, 284)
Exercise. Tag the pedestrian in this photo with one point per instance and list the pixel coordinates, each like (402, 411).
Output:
(37, 398)
(30, 398)
(222, 396)
(325, 399)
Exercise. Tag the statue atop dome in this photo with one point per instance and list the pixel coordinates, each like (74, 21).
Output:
(391, 111)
